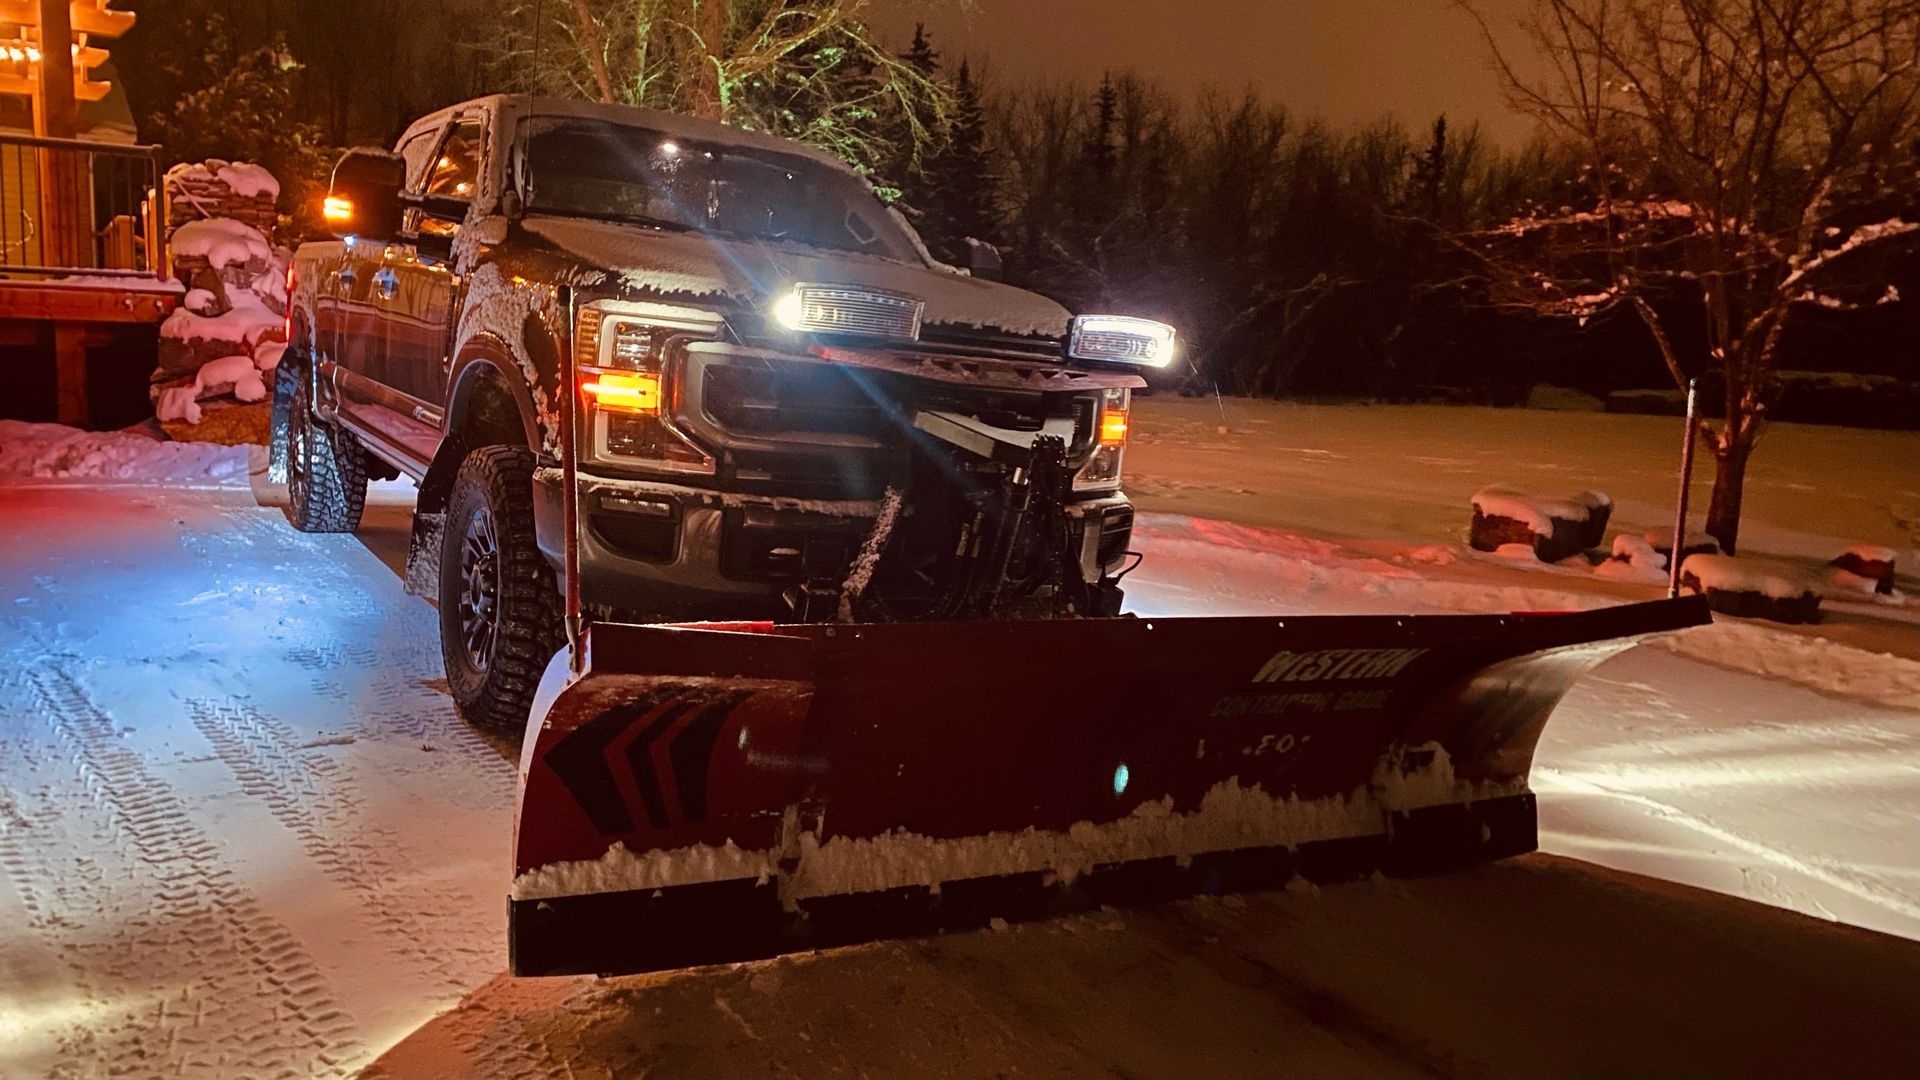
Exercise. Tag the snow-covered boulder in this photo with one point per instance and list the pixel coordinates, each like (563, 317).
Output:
(1633, 559)
(1751, 589)
(1599, 507)
(1553, 528)
(222, 243)
(1691, 544)
(1869, 562)
(234, 190)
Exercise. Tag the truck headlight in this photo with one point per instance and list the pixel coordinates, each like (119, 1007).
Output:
(1119, 339)
(620, 357)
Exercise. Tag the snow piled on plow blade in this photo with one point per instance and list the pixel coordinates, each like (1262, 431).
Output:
(1231, 817)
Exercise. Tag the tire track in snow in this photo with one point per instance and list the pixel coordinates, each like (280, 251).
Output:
(128, 856)
(309, 793)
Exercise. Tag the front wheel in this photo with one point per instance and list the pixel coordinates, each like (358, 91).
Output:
(499, 605)
(326, 468)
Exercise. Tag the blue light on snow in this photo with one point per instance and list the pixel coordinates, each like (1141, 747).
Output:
(1121, 774)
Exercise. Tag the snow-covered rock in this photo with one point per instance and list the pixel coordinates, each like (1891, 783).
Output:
(177, 404)
(247, 180)
(234, 374)
(1751, 588)
(1553, 528)
(222, 242)
(1868, 562)
(1633, 559)
(247, 323)
(266, 355)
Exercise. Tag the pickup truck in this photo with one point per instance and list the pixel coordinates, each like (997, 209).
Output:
(782, 407)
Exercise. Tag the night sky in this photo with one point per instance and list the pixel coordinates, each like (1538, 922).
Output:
(1349, 61)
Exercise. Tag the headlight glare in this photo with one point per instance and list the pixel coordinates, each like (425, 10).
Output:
(790, 310)
(1120, 339)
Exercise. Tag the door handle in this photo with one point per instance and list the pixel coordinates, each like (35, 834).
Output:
(386, 282)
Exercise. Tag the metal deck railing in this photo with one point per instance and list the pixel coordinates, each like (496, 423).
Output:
(75, 207)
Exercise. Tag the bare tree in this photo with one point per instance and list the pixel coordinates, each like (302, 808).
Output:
(807, 69)
(1714, 134)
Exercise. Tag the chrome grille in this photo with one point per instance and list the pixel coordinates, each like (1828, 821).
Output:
(840, 309)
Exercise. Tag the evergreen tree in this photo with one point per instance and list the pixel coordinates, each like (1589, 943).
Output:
(248, 109)
(959, 187)
(1430, 174)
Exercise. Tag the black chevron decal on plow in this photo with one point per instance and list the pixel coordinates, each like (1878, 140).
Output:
(692, 751)
(580, 760)
(640, 757)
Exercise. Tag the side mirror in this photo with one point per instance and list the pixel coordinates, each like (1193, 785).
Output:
(364, 199)
(983, 260)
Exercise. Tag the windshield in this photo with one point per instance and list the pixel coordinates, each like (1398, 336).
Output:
(619, 172)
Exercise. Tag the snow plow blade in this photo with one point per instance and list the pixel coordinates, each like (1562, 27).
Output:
(709, 795)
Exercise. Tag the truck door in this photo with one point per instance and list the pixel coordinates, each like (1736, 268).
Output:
(417, 279)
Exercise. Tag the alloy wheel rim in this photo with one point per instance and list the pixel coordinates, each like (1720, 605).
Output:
(480, 588)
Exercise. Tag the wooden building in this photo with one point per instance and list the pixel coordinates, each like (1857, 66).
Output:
(84, 281)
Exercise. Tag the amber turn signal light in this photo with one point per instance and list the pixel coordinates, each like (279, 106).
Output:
(623, 391)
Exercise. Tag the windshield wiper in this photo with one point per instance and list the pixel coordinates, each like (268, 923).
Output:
(619, 218)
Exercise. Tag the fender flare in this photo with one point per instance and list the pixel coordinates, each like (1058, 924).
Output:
(482, 358)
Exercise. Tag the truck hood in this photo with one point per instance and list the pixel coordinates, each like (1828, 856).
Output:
(692, 266)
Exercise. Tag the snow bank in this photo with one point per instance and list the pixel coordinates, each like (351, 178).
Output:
(56, 452)
(1725, 573)
(1817, 663)
(222, 242)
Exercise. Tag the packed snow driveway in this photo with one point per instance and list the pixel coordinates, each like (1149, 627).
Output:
(242, 833)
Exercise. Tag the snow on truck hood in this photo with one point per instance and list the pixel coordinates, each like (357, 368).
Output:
(746, 272)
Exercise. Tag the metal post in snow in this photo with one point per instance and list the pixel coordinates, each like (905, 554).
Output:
(1686, 486)
(570, 402)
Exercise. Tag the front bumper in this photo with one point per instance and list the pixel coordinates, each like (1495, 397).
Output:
(668, 551)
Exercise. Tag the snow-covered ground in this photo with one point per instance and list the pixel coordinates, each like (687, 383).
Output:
(1777, 763)
(243, 833)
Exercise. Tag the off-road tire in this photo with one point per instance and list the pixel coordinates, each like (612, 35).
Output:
(517, 589)
(326, 467)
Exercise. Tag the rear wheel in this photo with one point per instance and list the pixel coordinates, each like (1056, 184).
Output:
(326, 468)
(499, 605)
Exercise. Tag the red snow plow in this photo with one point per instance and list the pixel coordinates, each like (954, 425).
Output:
(702, 795)
(965, 730)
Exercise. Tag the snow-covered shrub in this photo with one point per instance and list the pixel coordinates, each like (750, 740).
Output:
(1691, 544)
(1751, 589)
(1633, 559)
(1868, 562)
(1553, 528)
